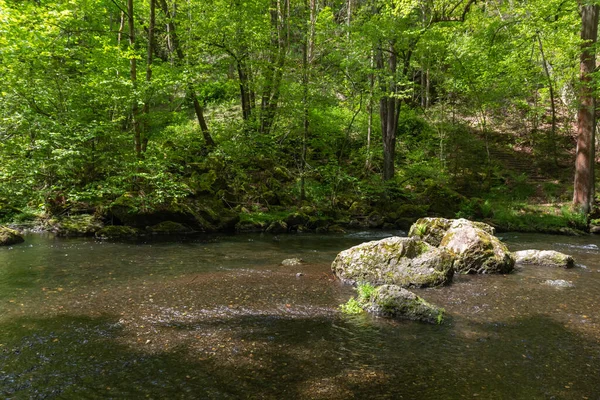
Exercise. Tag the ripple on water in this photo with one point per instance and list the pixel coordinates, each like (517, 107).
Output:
(222, 319)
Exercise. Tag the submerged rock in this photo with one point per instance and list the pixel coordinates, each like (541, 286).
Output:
(476, 250)
(396, 302)
(9, 236)
(548, 258)
(116, 232)
(561, 283)
(292, 262)
(407, 262)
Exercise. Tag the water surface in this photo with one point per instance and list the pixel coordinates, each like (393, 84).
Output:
(218, 317)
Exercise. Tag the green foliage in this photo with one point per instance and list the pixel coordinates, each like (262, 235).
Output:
(356, 305)
(351, 307)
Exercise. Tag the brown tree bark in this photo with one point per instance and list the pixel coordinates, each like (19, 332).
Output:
(583, 194)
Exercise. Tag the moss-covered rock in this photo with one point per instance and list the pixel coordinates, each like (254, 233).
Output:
(277, 227)
(249, 226)
(547, 258)
(392, 301)
(335, 228)
(476, 250)
(294, 220)
(375, 221)
(292, 262)
(169, 228)
(116, 232)
(75, 225)
(202, 215)
(407, 262)
(9, 236)
(432, 230)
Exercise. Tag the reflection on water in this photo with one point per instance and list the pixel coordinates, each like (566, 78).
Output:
(219, 317)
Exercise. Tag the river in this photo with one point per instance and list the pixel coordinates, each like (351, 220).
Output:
(218, 317)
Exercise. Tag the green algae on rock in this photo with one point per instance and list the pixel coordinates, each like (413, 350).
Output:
(407, 262)
(9, 236)
(395, 302)
(392, 301)
(473, 244)
(476, 250)
(548, 258)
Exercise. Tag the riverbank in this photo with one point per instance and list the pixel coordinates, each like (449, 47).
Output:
(213, 217)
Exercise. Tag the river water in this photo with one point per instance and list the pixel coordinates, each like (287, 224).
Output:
(219, 318)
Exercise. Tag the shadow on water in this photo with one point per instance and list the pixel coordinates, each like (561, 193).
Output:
(265, 356)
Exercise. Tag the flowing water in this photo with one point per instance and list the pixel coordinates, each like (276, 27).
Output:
(219, 317)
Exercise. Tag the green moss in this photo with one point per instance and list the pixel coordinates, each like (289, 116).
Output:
(116, 232)
(9, 236)
(169, 227)
(351, 307)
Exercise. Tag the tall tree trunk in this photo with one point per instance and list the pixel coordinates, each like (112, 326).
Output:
(198, 109)
(244, 89)
(274, 72)
(149, 59)
(389, 108)
(133, 73)
(583, 194)
(307, 55)
(552, 102)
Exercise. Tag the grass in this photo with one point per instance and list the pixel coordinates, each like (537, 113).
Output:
(356, 305)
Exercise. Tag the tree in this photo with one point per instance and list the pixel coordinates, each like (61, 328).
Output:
(583, 195)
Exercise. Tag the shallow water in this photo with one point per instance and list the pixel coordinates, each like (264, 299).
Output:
(219, 317)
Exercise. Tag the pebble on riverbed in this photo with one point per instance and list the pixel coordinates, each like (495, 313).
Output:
(561, 283)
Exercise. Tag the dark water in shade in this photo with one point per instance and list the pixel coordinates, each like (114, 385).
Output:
(219, 318)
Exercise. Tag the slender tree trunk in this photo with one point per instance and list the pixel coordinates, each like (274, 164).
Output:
(307, 56)
(198, 109)
(133, 73)
(552, 102)
(389, 107)
(149, 60)
(583, 194)
(370, 112)
(244, 90)
(274, 72)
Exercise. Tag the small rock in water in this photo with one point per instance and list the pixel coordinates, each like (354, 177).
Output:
(559, 283)
(299, 274)
(292, 262)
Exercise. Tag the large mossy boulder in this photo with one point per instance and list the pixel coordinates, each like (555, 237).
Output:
(75, 225)
(473, 244)
(476, 250)
(406, 262)
(9, 236)
(202, 215)
(432, 230)
(392, 301)
(547, 258)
